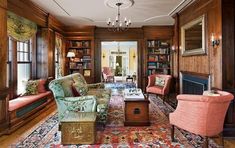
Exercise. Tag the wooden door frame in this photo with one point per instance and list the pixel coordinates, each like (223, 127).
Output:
(98, 57)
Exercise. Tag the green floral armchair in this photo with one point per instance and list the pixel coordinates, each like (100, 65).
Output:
(94, 97)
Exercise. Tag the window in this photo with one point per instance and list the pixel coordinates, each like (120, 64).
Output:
(57, 70)
(23, 65)
(9, 62)
(19, 65)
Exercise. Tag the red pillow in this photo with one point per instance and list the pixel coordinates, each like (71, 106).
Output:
(75, 92)
(41, 85)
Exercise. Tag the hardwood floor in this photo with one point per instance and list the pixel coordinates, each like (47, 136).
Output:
(8, 140)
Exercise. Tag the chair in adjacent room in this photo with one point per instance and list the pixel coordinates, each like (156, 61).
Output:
(107, 74)
(159, 84)
(201, 114)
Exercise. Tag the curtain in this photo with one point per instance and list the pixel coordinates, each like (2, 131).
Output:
(59, 48)
(20, 28)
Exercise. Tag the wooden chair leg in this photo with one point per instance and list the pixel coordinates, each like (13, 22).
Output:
(172, 133)
(222, 139)
(206, 142)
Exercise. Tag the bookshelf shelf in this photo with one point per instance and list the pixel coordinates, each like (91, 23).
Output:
(158, 57)
(83, 62)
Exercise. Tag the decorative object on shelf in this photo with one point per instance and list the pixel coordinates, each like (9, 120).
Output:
(70, 55)
(214, 42)
(118, 24)
(193, 37)
(87, 72)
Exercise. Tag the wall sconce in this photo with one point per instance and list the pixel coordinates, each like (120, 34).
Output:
(214, 42)
(103, 55)
(70, 55)
(134, 55)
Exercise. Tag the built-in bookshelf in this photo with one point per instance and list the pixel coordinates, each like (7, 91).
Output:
(158, 57)
(83, 60)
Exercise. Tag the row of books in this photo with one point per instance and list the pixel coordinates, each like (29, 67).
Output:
(79, 65)
(80, 52)
(157, 43)
(156, 58)
(159, 51)
(82, 44)
(160, 71)
(154, 65)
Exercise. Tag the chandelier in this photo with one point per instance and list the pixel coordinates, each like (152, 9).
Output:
(118, 25)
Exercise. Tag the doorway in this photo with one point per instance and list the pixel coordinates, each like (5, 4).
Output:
(120, 58)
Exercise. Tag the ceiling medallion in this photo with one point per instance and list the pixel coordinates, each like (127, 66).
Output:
(113, 3)
(118, 24)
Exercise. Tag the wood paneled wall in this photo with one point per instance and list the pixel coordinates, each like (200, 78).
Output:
(210, 63)
(3, 43)
(45, 53)
(3, 56)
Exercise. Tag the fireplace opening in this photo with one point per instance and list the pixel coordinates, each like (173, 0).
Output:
(192, 83)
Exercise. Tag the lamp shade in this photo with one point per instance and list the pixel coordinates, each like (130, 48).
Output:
(70, 54)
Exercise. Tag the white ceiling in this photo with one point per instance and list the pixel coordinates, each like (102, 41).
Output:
(95, 12)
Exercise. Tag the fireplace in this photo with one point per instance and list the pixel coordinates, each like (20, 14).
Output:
(194, 83)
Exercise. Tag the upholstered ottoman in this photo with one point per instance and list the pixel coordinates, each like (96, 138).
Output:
(78, 128)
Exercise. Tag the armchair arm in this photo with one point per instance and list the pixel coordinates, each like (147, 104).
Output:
(194, 98)
(95, 85)
(82, 103)
(151, 80)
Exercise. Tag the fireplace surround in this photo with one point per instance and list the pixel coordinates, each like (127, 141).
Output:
(194, 83)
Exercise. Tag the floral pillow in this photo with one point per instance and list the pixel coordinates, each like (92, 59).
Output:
(31, 87)
(82, 89)
(159, 81)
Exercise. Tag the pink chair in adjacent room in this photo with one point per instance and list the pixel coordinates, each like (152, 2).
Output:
(159, 90)
(107, 74)
(201, 114)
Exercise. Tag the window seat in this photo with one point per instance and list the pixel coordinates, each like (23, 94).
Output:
(25, 108)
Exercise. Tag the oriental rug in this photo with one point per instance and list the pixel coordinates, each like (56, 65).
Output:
(115, 134)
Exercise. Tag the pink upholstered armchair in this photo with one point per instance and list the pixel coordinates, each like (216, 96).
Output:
(107, 74)
(201, 114)
(159, 90)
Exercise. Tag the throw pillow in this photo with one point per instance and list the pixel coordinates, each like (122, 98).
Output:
(41, 85)
(31, 88)
(159, 81)
(81, 88)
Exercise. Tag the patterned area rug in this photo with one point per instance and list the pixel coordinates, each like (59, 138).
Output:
(120, 85)
(115, 133)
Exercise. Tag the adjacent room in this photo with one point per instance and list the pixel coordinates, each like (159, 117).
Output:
(117, 73)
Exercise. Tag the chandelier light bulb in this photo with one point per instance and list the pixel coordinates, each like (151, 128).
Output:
(118, 24)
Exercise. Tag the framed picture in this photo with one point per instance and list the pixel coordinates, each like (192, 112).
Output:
(87, 72)
(193, 37)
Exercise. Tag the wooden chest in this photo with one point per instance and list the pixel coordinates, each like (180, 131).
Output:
(78, 128)
(136, 112)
